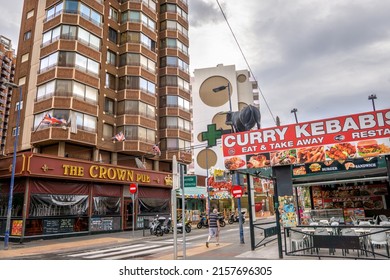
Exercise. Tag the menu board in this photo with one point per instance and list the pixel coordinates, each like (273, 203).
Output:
(105, 224)
(331, 165)
(53, 226)
(366, 196)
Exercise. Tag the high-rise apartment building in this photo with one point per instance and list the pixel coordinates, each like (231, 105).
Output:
(7, 67)
(90, 70)
(104, 67)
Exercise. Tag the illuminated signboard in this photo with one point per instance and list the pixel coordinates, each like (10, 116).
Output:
(340, 138)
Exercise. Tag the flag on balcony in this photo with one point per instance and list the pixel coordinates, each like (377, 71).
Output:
(156, 150)
(119, 137)
(48, 119)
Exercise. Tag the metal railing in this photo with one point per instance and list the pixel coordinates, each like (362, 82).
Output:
(343, 241)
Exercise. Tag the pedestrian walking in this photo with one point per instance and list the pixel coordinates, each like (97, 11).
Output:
(213, 227)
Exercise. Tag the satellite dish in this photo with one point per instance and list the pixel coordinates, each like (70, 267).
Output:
(139, 163)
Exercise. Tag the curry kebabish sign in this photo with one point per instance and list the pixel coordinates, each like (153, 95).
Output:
(341, 138)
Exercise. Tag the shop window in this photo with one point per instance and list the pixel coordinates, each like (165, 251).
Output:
(44, 205)
(104, 205)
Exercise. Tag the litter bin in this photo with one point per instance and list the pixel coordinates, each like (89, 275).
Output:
(146, 223)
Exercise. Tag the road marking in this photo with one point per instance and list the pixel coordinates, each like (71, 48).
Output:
(113, 251)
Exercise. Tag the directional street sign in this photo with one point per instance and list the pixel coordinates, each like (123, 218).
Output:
(190, 181)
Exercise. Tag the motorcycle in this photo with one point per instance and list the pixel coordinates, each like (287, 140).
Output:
(235, 218)
(205, 223)
(187, 227)
(156, 226)
(168, 227)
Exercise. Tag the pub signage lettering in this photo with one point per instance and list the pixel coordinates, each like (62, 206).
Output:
(104, 172)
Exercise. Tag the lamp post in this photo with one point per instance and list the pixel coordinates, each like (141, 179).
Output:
(11, 186)
(372, 97)
(229, 122)
(295, 110)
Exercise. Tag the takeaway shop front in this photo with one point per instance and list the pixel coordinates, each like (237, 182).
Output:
(338, 166)
(55, 196)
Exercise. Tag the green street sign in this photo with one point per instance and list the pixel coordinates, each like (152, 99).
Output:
(190, 181)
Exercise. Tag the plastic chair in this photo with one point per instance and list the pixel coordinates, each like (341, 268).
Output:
(378, 237)
(364, 223)
(297, 240)
(383, 218)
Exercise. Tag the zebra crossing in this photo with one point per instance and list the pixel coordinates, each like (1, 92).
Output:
(132, 251)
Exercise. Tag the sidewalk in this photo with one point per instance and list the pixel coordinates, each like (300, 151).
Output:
(226, 250)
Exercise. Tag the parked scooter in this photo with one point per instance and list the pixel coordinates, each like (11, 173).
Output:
(187, 227)
(156, 226)
(168, 227)
(235, 218)
(205, 223)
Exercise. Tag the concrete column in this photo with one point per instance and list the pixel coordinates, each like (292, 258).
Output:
(95, 156)
(114, 158)
(61, 149)
(156, 165)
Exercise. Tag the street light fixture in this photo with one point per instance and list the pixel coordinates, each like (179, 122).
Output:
(229, 116)
(11, 186)
(372, 97)
(295, 110)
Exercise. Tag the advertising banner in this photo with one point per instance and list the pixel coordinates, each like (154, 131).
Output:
(341, 138)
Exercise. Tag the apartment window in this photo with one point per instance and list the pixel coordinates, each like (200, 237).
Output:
(108, 131)
(14, 131)
(135, 82)
(150, 3)
(113, 14)
(112, 35)
(110, 81)
(54, 11)
(90, 14)
(174, 61)
(111, 57)
(174, 25)
(174, 144)
(174, 81)
(139, 17)
(48, 62)
(136, 60)
(67, 88)
(17, 106)
(174, 44)
(25, 57)
(131, 107)
(30, 14)
(174, 101)
(27, 36)
(137, 38)
(70, 32)
(138, 133)
(109, 106)
(175, 123)
(172, 8)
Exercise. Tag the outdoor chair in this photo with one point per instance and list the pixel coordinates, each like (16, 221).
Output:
(383, 218)
(378, 237)
(298, 240)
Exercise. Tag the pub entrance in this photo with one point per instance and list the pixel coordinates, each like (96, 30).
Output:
(128, 214)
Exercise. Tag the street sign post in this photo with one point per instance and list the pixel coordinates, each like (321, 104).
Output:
(133, 190)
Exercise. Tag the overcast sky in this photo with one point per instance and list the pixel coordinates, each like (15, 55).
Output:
(322, 57)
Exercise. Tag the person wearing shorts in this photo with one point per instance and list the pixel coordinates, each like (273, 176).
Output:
(213, 227)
